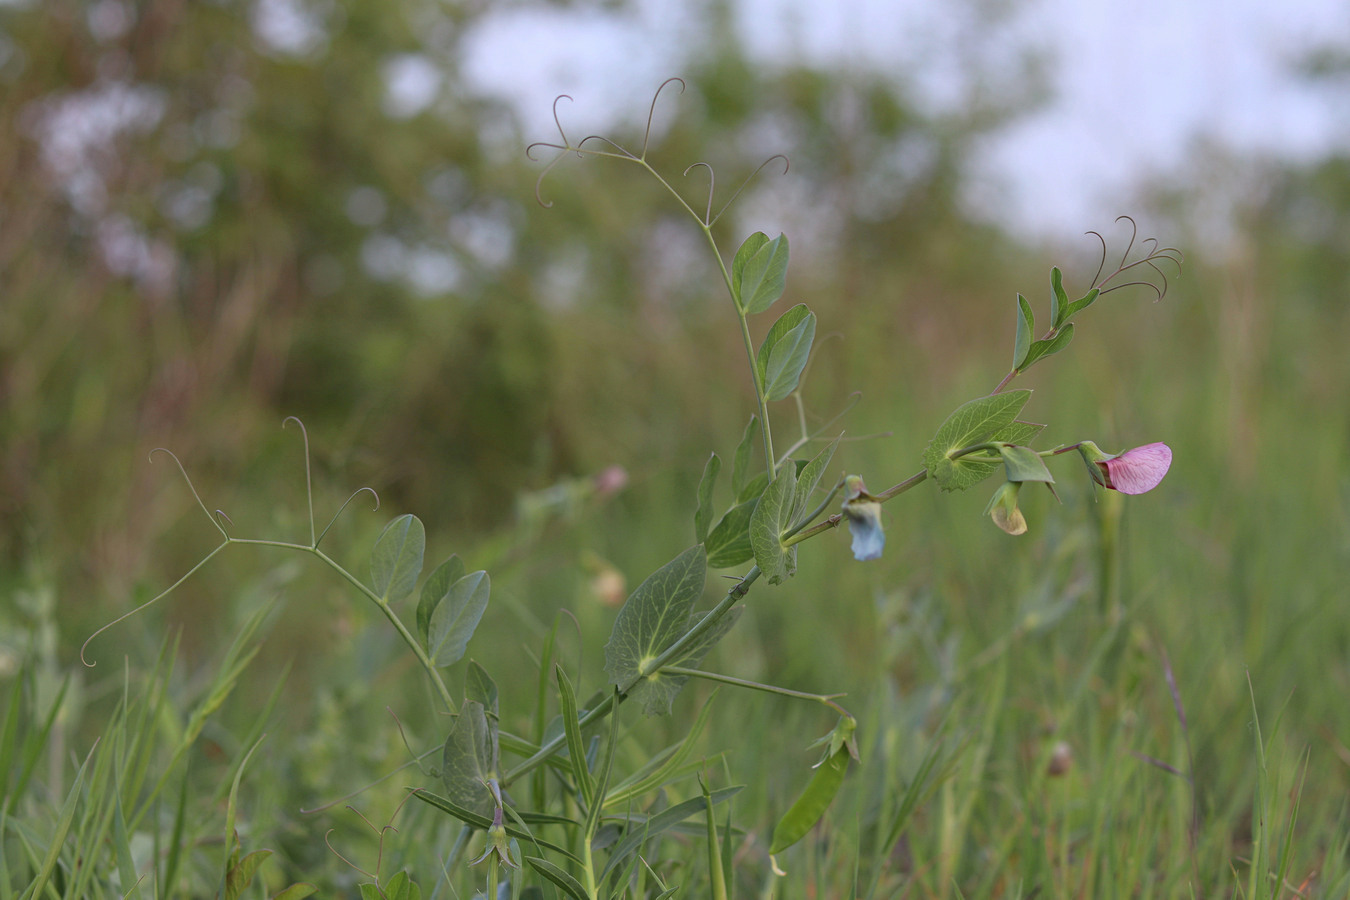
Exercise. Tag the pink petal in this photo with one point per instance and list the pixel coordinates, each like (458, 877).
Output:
(1139, 470)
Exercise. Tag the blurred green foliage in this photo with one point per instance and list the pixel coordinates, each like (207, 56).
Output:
(202, 233)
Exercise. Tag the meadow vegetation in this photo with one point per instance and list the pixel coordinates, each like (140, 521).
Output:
(1139, 697)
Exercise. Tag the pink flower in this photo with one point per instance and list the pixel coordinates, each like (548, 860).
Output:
(1135, 471)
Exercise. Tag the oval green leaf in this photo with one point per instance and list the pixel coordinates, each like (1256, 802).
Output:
(654, 616)
(728, 543)
(764, 276)
(396, 560)
(456, 617)
(785, 351)
(434, 590)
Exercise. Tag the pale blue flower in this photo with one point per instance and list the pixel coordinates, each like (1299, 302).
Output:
(864, 519)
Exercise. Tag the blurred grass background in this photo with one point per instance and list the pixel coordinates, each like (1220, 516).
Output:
(202, 235)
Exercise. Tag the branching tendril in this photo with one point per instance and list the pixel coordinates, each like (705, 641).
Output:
(1154, 255)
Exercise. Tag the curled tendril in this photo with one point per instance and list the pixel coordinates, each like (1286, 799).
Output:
(744, 184)
(215, 519)
(309, 478)
(327, 840)
(712, 187)
(612, 149)
(344, 505)
(1154, 254)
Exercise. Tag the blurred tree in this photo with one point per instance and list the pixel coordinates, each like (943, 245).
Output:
(218, 214)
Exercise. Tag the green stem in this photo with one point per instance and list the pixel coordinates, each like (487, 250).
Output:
(604, 707)
(903, 486)
(426, 661)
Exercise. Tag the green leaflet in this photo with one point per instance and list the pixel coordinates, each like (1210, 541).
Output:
(785, 350)
(1024, 464)
(456, 617)
(434, 590)
(759, 272)
(1026, 329)
(396, 560)
(469, 759)
(768, 523)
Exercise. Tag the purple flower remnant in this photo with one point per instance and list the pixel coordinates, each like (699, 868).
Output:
(864, 519)
(1003, 508)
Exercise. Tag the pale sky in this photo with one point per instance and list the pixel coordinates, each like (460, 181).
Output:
(1136, 82)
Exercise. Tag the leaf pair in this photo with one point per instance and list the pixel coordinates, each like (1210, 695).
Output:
(1027, 351)
(451, 602)
(758, 279)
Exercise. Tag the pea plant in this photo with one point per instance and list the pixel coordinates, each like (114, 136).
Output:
(553, 805)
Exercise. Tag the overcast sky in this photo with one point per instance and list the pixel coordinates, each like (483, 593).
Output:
(1136, 82)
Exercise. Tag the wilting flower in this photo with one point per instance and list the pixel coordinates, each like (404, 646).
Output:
(864, 519)
(1003, 508)
(1135, 471)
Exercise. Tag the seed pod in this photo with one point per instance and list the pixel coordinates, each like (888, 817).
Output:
(813, 802)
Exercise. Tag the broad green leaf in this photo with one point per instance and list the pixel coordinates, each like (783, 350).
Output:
(738, 264)
(753, 488)
(972, 423)
(397, 559)
(703, 515)
(763, 276)
(1018, 433)
(768, 523)
(807, 481)
(1026, 328)
(370, 891)
(740, 468)
(657, 692)
(469, 760)
(1024, 464)
(728, 543)
(1042, 349)
(434, 590)
(785, 351)
(1059, 300)
(455, 618)
(654, 616)
(297, 891)
(479, 686)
